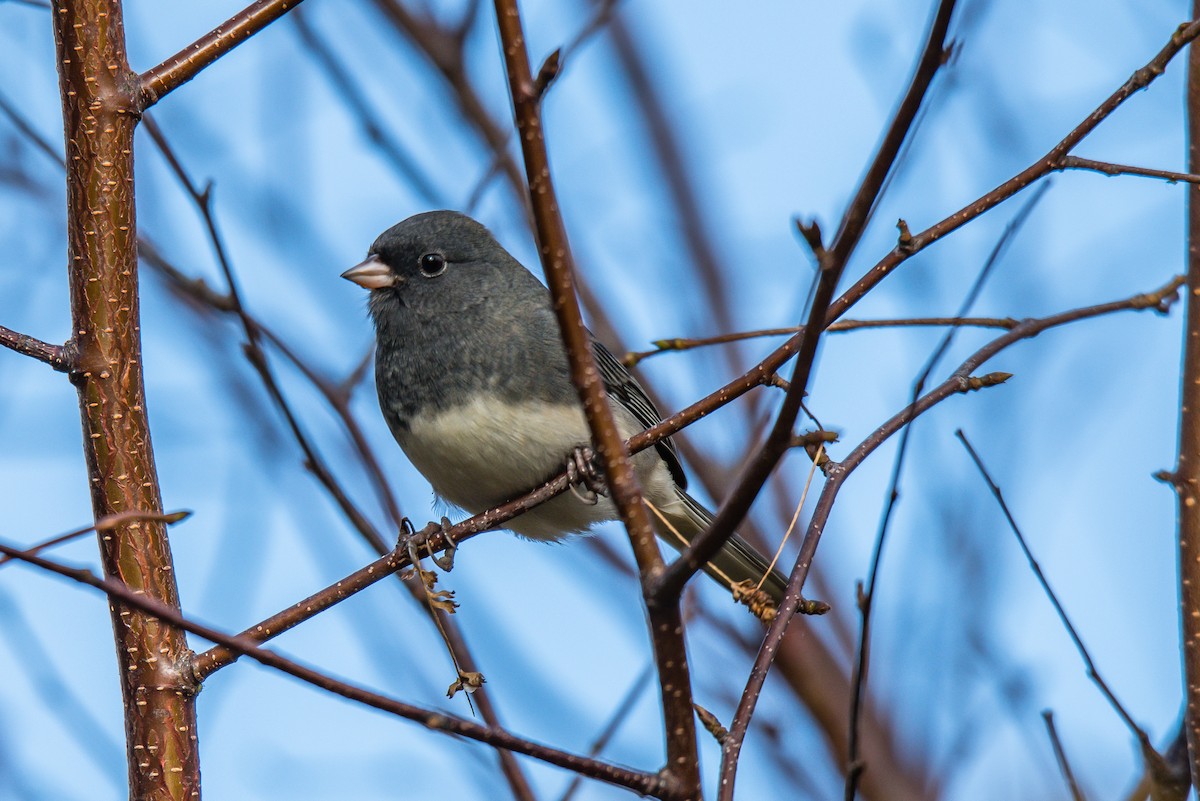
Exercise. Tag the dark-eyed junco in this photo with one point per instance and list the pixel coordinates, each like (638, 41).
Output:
(474, 384)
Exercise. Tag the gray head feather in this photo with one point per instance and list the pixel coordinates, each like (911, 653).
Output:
(483, 324)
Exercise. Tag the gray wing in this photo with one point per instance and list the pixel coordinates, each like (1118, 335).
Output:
(625, 389)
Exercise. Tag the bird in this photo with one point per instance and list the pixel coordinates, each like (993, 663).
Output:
(474, 384)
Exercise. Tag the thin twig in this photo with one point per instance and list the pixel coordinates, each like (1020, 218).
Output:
(459, 652)
(159, 81)
(1176, 784)
(1108, 168)
(633, 358)
(436, 538)
(620, 715)
(444, 49)
(676, 168)
(914, 243)
(26, 128)
(1060, 756)
(203, 200)
(1092, 672)
(378, 133)
(106, 523)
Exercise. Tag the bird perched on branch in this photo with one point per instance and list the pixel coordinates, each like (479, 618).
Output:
(474, 384)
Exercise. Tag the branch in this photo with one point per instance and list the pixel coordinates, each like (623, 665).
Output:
(914, 243)
(1060, 756)
(100, 112)
(57, 356)
(1092, 671)
(932, 58)
(665, 620)
(633, 358)
(640, 782)
(1108, 168)
(620, 714)
(29, 132)
(1186, 478)
(232, 302)
(676, 169)
(444, 49)
(832, 263)
(102, 525)
(436, 539)
(377, 131)
(157, 82)
(959, 382)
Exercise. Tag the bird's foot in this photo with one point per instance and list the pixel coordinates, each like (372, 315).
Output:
(587, 483)
(412, 540)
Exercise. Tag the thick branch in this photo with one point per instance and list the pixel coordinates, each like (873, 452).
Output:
(157, 82)
(99, 115)
(1187, 470)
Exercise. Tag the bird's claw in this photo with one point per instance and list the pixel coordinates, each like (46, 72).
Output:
(582, 472)
(446, 560)
(411, 540)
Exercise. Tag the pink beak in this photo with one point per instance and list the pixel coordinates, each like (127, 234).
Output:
(372, 274)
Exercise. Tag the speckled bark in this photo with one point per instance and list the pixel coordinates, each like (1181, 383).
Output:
(99, 116)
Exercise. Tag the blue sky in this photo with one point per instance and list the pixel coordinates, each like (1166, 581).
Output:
(779, 107)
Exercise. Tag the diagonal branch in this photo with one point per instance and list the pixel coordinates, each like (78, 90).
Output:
(445, 51)
(867, 594)
(103, 524)
(1148, 751)
(436, 538)
(638, 781)
(157, 82)
(960, 381)
(910, 244)
(832, 263)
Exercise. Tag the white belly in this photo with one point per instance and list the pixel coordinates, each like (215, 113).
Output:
(489, 451)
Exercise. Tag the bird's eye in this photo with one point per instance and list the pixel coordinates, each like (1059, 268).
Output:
(432, 264)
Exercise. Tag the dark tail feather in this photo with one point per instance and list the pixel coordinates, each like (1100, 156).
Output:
(737, 561)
